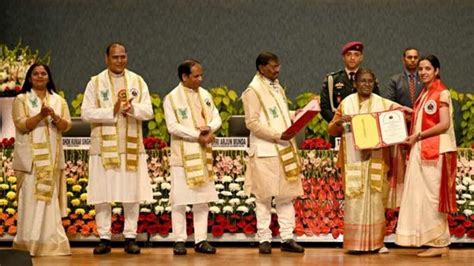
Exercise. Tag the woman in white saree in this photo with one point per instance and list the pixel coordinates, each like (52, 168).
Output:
(40, 116)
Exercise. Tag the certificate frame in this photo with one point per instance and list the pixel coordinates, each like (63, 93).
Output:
(379, 129)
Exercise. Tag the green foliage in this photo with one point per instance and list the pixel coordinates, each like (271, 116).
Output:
(75, 106)
(466, 127)
(157, 125)
(318, 127)
(228, 103)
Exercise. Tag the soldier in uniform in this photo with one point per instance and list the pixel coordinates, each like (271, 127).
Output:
(338, 85)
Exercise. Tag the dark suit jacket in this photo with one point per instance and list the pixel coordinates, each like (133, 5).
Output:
(398, 89)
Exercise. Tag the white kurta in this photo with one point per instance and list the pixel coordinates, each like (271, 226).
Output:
(116, 185)
(180, 193)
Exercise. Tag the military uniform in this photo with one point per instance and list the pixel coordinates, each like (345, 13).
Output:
(341, 88)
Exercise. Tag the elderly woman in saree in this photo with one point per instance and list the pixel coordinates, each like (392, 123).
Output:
(365, 171)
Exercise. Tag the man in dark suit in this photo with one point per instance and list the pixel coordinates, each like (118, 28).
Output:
(338, 85)
(405, 87)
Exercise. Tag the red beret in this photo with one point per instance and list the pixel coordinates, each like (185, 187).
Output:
(358, 46)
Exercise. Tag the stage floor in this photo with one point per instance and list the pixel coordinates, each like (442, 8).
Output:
(249, 256)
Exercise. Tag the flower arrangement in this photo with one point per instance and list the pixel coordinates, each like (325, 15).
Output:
(154, 143)
(13, 66)
(315, 144)
(80, 216)
(7, 143)
(8, 195)
(320, 210)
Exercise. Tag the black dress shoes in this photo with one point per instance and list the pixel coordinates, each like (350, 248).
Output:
(179, 248)
(204, 247)
(103, 247)
(265, 248)
(291, 246)
(131, 246)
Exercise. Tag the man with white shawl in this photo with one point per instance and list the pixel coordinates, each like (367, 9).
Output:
(274, 166)
(192, 119)
(116, 102)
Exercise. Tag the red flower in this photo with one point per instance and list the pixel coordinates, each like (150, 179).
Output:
(467, 224)
(232, 228)
(241, 223)
(459, 231)
(150, 229)
(217, 230)
(250, 229)
(220, 218)
(164, 229)
(249, 217)
(470, 233)
(165, 217)
(117, 227)
(335, 233)
(151, 217)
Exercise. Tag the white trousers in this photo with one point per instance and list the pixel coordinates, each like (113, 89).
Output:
(178, 218)
(103, 217)
(286, 218)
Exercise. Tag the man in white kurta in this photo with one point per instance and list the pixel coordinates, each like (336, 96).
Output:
(191, 118)
(116, 102)
(274, 167)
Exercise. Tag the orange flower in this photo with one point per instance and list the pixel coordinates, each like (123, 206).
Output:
(86, 216)
(3, 216)
(79, 222)
(10, 221)
(2, 230)
(72, 230)
(73, 216)
(85, 230)
(12, 230)
(66, 222)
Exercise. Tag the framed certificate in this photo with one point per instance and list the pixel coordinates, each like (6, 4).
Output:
(377, 130)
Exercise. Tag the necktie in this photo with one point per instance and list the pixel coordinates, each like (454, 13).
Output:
(352, 76)
(411, 86)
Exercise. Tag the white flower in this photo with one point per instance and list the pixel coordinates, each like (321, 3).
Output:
(117, 211)
(220, 201)
(460, 188)
(168, 209)
(466, 180)
(243, 209)
(226, 193)
(219, 186)
(215, 209)
(152, 201)
(234, 187)
(471, 188)
(157, 194)
(159, 179)
(467, 212)
(471, 203)
(227, 179)
(145, 210)
(188, 209)
(159, 209)
(163, 200)
(240, 179)
(273, 210)
(227, 209)
(461, 202)
(154, 186)
(234, 201)
(241, 194)
(165, 186)
(250, 200)
(168, 177)
(466, 196)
